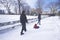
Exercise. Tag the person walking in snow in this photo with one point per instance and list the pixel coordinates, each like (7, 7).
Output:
(39, 18)
(23, 20)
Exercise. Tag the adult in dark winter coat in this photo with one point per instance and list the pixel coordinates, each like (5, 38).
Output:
(23, 20)
(39, 18)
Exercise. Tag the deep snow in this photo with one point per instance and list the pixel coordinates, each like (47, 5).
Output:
(49, 30)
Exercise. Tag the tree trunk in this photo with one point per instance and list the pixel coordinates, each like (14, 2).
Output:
(19, 6)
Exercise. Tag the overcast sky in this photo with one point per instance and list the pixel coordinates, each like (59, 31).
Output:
(31, 3)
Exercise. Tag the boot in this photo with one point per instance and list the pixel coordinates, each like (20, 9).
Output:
(22, 33)
(25, 30)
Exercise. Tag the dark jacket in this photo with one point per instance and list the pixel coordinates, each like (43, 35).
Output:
(39, 16)
(23, 18)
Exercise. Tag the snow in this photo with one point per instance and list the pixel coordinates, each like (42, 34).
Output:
(49, 30)
(9, 26)
(9, 18)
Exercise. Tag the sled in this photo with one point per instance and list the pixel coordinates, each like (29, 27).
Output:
(35, 26)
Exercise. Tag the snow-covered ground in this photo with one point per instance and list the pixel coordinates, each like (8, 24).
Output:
(49, 30)
(9, 18)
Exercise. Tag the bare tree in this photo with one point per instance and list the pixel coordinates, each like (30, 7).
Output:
(53, 7)
(39, 5)
(7, 4)
(15, 4)
(19, 4)
(58, 4)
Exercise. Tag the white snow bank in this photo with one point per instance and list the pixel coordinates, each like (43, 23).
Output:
(9, 18)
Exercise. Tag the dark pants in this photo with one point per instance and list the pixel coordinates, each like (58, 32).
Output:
(39, 21)
(23, 27)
